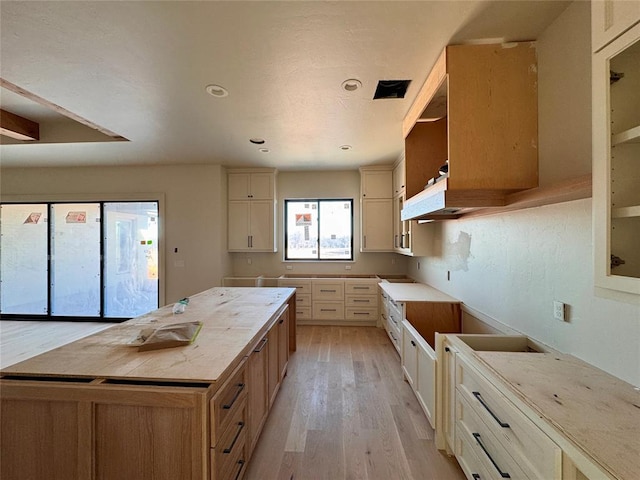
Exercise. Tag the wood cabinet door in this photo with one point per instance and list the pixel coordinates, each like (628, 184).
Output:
(273, 346)
(258, 399)
(283, 344)
(377, 225)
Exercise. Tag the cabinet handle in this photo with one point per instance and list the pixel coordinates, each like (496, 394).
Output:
(235, 397)
(361, 313)
(476, 476)
(395, 241)
(502, 474)
(251, 237)
(327, 309)
(364, 241)
(281, 321)
(413, 343)
(327, 291)
(264, 343)
(361, 288)
(235, 439)
(241, 463)
(355, 300)
(480, 399)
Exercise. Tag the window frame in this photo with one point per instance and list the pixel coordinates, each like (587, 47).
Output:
(318, 201)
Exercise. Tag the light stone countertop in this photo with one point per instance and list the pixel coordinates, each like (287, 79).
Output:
(416, 292)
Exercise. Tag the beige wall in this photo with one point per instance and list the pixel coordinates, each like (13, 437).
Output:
(511, 267)
(194, 218)
(319, 184)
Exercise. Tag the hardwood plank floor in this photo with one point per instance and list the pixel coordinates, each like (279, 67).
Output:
(20, 340)
(345, 412)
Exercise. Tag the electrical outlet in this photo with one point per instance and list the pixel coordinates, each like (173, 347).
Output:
(289, 267)
(248, 261)
(559, 311)
(347, 267)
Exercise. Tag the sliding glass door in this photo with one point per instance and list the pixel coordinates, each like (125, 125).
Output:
(96, 260)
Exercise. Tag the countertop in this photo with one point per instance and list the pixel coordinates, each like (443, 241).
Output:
(233, 319)
(416, 292)
(598, 412)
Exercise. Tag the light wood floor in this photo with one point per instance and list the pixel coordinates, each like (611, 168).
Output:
(20, 340)
(345, 412)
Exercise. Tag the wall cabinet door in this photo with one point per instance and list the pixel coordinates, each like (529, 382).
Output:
(253, 186)
(399, 178)
(257, 394)
(250, 226)
(377, 225)
(375, 183)
(610, 18)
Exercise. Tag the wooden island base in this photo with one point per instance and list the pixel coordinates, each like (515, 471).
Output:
(99, 409)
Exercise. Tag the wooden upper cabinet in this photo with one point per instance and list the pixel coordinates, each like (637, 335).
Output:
(610, 18)
(245, 185)
(478, 110)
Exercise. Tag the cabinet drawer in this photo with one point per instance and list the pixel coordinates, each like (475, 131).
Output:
(490, 452)
(361, 314)
(303, 300)
(328, 291)
(361, 301)
(395, 318)
(231, 468)
(360, 288)
(303, 313)
(227, 402)
(469, 461)
(328, 310)
(301, 286)
(231, 445)
(534, 452)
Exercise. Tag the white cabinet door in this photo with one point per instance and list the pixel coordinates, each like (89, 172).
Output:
(251, 186)
(261, 226)
(610, 18)
(399, 178)
(376, 183)
(426, 380)
(262, 186)
(238, 227)
(377, 225)
(409, 355)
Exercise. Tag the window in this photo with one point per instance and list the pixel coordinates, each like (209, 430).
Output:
(93, 261)
(318, 229)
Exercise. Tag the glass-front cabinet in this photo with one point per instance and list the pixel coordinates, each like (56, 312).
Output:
(616, 162)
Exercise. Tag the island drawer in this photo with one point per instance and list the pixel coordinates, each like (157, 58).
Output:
(326, 290)
(231, 446)
(226, 403)
(488, 450)
(533, 450)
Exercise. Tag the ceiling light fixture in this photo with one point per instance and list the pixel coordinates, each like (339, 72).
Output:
(264, 150)
(351, 85)
(257, 141)
(345, 147)
(217, 91)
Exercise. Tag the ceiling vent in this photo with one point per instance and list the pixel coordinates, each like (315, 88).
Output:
(391, 89)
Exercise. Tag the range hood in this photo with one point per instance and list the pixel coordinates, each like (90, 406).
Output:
(437, 202)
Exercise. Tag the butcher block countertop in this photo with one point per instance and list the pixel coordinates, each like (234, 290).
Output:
(416, 292)
(233, 320)
(598, 412)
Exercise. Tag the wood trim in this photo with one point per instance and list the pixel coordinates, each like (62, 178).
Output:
(20, 128)
(58, 109)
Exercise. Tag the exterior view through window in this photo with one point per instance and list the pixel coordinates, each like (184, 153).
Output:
(319, 229)
(95, 260)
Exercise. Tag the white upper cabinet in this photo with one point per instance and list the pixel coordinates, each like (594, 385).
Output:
(611, 18)
(616, 160)
(251, 185)
(375, 183)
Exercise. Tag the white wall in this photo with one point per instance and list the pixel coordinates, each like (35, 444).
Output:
(512, 266)
(194, 211)
(317, 184)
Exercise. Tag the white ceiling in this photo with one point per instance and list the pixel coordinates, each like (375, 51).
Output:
(140, 68)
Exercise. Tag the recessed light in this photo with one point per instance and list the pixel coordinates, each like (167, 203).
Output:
(217, 91)
(263, 150)
(351, 85)
(257, 141)
(345, 147)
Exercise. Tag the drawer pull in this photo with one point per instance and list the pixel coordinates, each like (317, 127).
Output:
(355, 300)
(361, 313)
(235, 439)
(241, 463)
(235, 397)
(361, 288)
(502, 474)
(413, 343)
(327, 291)
(264, 343)
(479, 397)
(476, 476)
(281, 321)
(328, 310)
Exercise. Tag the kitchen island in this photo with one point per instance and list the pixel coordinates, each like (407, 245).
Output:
(99, 408)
